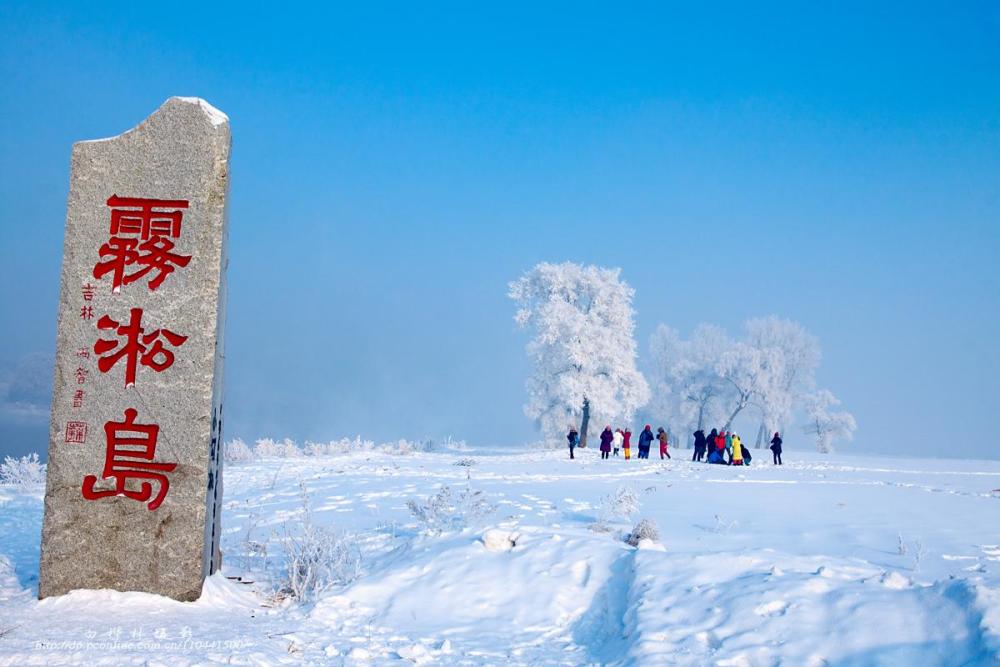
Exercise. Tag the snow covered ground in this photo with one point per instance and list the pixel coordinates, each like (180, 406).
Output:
(828, 560)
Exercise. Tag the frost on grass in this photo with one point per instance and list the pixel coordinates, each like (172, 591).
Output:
(318, 557)
(23, 472)
(237, 451)
(723, 524)
(622, 504)
(446, 510)
(646, 529)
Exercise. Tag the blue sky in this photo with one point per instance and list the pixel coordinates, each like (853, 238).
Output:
(395, 165)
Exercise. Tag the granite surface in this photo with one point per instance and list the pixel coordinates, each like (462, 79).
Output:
(120, 511)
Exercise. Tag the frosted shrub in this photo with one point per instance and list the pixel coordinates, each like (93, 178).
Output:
(449, 511)
(286, 448)
(623, 504)
(646, 529)
(237, 451)
(268, 448)
(320, 558)
(22, 472)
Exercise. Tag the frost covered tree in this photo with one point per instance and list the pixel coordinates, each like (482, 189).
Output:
(688, 390)
(749, 373)
(583, 349)
(826, 425)
(800, 356)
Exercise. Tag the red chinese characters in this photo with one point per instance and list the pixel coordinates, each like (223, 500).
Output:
(140, 247)
(129, 457)
(76, 432)
(139, 347)
(140, 238)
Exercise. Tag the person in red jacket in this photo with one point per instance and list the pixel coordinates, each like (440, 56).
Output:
(661, 435)
(626, 442)
(720, 442)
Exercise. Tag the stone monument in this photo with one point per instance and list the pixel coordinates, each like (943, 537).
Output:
(134, 487)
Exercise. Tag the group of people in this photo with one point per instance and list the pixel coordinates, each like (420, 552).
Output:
(726, 448)
(621, 441)
(720, 447)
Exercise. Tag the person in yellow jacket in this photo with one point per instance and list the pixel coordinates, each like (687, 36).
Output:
(737, 455)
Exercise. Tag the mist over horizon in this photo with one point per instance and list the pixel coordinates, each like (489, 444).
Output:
(390, 178)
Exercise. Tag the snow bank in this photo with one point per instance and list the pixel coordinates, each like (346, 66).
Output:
(791, 565)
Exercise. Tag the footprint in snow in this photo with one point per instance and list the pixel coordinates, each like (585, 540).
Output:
(772, 608)
(581, 573)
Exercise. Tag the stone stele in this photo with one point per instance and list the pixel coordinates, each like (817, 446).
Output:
(132, 501)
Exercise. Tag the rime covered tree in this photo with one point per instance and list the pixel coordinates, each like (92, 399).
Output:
(799, 352)
(583, 349)
(749, 373)
(828, 426)
(687, 390)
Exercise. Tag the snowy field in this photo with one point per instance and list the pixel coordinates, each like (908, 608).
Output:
(828, 560)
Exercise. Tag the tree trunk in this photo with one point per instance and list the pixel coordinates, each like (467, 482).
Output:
(584, 423)
(760, 436)
(729, 422)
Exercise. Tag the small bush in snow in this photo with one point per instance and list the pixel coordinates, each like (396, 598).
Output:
(319, 558)
(268, 448)
(449, 511)
(287, 448)
(237, 451)
(623, 504)
(644, 530)
(466, 462)
(23, 472)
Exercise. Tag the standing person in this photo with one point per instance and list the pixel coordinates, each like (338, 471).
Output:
(574, 440)
(618, 440)
(710, 443)
(729, 445)
(720, 442)
(699, 445)
(661, 435)
(606, 438)
(736, 456)
(645, 439)
(776, 448)
(626, 442)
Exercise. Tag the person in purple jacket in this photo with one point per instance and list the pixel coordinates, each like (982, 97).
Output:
(606, 437)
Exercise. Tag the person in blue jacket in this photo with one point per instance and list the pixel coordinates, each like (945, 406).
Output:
(645, 440)
(574, 440)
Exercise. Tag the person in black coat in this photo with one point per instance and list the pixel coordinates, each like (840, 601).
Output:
(699, 445)
(776, 448)
(710, 443)
(574, 440)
